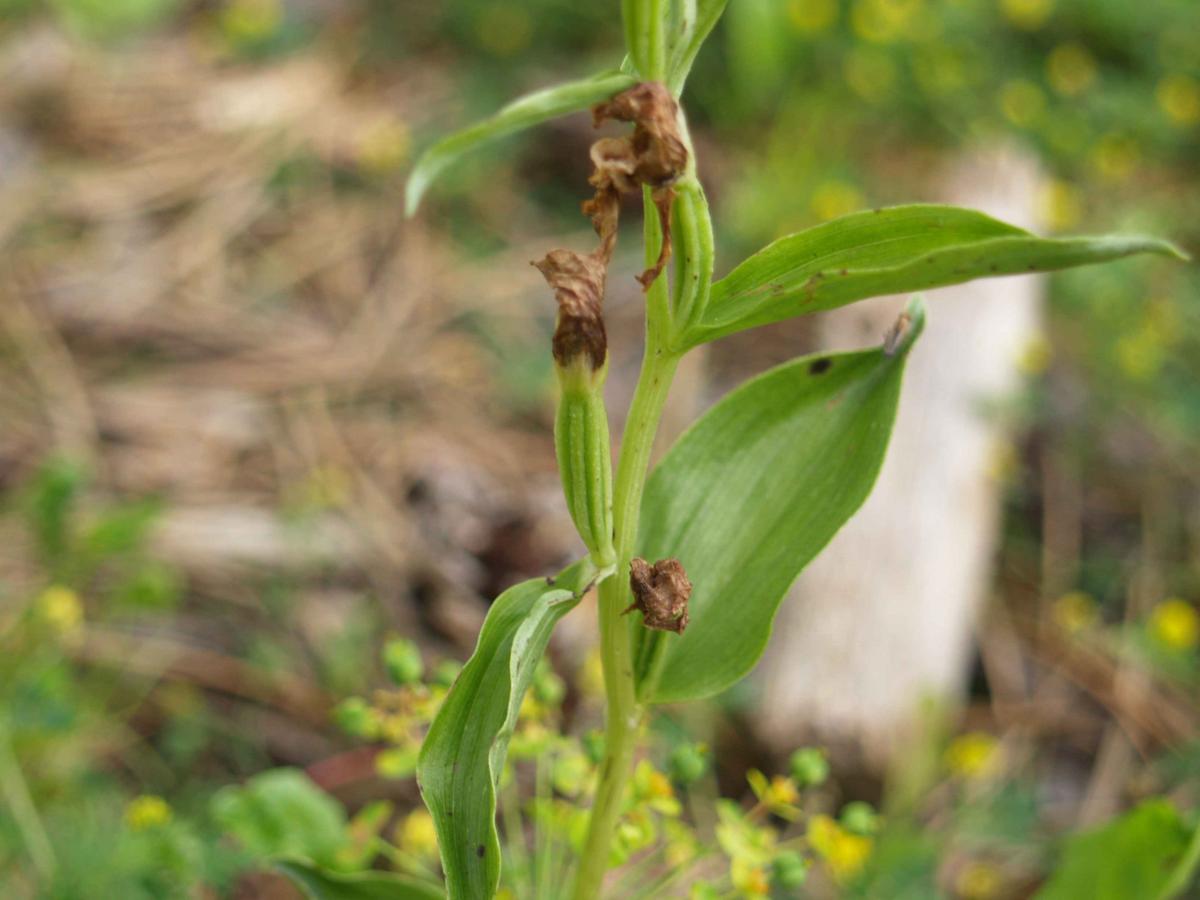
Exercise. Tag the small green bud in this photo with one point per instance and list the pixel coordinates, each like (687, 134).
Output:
(860, 818)
(789, 870)
(402, 659)
(356, 717)
(809, 767)
(687, 763)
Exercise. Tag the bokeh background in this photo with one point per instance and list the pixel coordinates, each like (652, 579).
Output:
(254, 424)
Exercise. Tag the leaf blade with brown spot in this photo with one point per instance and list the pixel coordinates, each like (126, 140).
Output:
(750, 494)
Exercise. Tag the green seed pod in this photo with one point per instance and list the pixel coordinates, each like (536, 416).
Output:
(584, 454)
(692, 237)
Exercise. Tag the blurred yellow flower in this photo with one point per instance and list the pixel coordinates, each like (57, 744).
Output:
(1074, 612)
(844, 853)
(654, 789)
(972, 756)
(883, 21)
(504, 29)
(1141, 353)
(416, 835)
(833, 199)
(384, 147)
(939, 70)
(978, 881)
(1071, 69)
(1179, 97)
(1036, 356)
(1003, 463)
(1022, 102)
(146, 812)
(247, 21)
(1060, 205)
(779, 794)
(870, 73)
(1115, 157)
(749, 880)
(1175, 624)
(1027, 14)
(812, 16)
(60, 608)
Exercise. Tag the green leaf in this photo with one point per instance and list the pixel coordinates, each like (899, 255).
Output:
(707, 13)
(463, 755)
(750, 494)
(321, 885)
(891, 251)
(283, 813)
(1137, 855)
(526, 112)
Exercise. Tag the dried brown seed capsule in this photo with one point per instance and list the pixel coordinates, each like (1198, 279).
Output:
(578, 283)
(660, 594)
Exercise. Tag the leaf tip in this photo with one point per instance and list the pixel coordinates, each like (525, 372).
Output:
(906, 329)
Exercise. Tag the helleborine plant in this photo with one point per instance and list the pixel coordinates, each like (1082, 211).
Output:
(692, 562)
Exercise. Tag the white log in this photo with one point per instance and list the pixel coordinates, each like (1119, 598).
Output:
(882, 620)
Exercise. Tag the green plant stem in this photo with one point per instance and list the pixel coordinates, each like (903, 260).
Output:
(16, 795)
(623, 715)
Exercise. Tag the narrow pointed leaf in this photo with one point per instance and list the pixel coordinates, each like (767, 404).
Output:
(891, 251)
(463, 755)
(526, 112)
(707, 13)
(318, 884)
(750, 494)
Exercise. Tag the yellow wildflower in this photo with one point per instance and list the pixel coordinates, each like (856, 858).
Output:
(1071, 69)
(504, 29)
(1175, 624)
(1061, 205)
(978, 881)
(870, 73)
(1036, 356)
(383, 147)
(1027, 14)
(843, 852)
(1179, 97)
(1115, 157)
(833, 199)
(749, 880)
(779, 795)
(1074, 612)
(249, 21)
(972, 756)
(812, 16)
(60, 608)
(417, 835)
(1141, 353)
(1022, 102)
(653, 788)
(146, 812)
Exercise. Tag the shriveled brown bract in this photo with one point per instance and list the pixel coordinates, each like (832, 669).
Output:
(660, 593)
(653, 155)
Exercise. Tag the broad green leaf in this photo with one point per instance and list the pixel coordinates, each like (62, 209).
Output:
(283, 813)
(526, 112)
(1137, 855)
(318, 884)
(750, 494)
(891, 251)
(463, 755)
